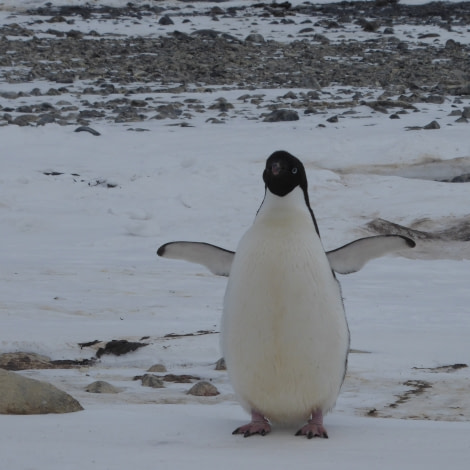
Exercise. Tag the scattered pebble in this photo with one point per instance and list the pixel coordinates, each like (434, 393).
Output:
(203, 389)
(101, 386)
(157, 368)
(165, 20)
(432, 125)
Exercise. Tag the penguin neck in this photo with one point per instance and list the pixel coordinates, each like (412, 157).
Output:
(292, 205)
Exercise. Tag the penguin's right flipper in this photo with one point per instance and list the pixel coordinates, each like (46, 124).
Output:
(217, 260)
(353, 256)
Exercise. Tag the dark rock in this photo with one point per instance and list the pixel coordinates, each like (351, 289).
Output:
(402, 46)
(446, 368)
(371, 26)
(182, 378)
(91, 114)
(168, 111)
(255, 38)
(428, 35)
(105, 184)
(332, 119)
(436, 99)
(461, 179)
(432, 125)
(56, 33)
(279, 115)
(87, 129)
(452, 45)
(216, 10)
(206, 33)
(46, 119)
(221, 105)
(165, 20)
(119, 347)
(25, 120)
(290, 95)
(462, 90)
(53, 92)
(139, 103)
(88, 344)
(24, 109)
(56, 19)
(128, 114)
(74, 34)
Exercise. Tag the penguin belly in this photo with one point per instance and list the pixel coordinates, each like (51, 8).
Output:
(284, 334)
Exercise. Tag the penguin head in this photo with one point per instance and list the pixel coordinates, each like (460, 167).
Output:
(283, 173)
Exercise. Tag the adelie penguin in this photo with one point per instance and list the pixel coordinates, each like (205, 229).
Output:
(284, 333)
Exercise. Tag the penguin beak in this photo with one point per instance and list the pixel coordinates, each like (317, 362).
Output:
(276, 168)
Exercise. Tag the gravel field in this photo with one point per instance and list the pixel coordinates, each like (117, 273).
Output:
(143, 62)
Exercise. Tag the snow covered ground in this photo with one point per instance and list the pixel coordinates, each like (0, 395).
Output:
(78, 264)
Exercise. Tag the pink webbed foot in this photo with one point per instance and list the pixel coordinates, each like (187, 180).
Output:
(314, 427)
(258, 425)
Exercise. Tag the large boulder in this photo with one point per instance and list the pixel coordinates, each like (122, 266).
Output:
(23, 396)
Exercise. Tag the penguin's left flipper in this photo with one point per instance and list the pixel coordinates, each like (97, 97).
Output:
(217, 260)
(344, 260)
(353, 256)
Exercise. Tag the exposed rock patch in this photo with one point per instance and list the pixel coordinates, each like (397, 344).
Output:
(458, 230)
(27, 361)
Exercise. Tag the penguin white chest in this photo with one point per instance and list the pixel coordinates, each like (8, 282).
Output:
(284, 333)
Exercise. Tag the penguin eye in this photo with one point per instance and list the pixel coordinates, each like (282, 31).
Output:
(294, 170)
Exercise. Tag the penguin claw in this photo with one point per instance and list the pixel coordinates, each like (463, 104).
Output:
(253, 428)
(312, 430)
(258, 425)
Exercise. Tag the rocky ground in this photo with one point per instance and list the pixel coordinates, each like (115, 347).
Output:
(80, 65)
